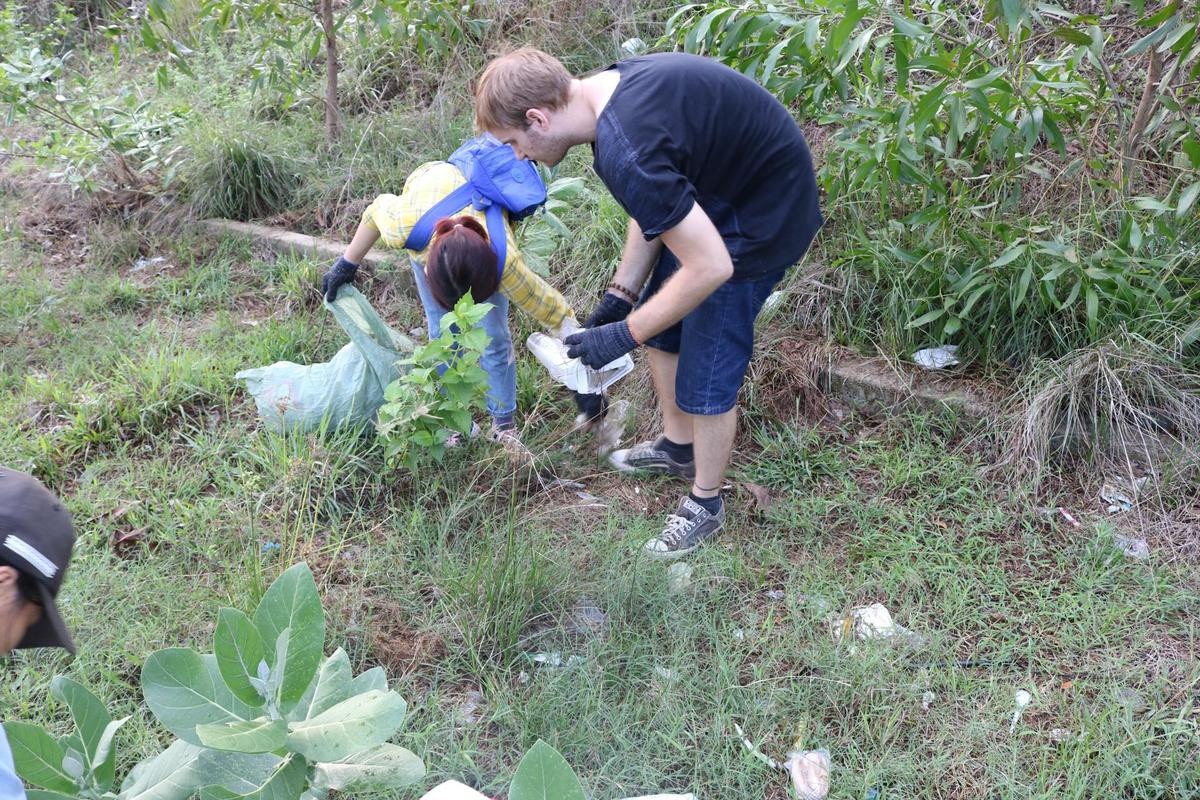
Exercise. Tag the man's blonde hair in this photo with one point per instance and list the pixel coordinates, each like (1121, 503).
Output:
(514, 83)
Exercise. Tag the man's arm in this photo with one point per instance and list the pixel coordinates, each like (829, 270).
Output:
(637, 259)
(704, 264)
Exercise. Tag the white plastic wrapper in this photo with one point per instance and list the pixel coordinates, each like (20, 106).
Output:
(937, 357)
(571, 372)
(809, 770)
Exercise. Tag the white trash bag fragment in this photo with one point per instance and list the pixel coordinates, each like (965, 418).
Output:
(453, 790)
(937, 357)
(871, 622)
(810, 773)
(571, 372)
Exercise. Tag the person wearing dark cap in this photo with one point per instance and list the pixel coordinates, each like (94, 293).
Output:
(36, 538)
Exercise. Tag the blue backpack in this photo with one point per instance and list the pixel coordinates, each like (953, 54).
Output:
(497, 181)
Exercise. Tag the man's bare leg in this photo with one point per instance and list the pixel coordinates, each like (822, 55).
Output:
(677, 426)
(713, 444)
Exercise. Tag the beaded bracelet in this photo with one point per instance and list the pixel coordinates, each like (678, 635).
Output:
(619, 289)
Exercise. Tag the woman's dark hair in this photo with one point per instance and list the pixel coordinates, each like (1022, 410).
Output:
(461, 260)
(26, 586)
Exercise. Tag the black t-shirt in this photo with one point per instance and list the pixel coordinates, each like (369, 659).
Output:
(682, 129)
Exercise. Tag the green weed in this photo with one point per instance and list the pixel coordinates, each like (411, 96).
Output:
(242, 179)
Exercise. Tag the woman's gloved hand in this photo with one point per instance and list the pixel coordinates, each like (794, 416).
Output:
(340, 273)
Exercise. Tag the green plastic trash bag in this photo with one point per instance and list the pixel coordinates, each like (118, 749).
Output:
(346, 390)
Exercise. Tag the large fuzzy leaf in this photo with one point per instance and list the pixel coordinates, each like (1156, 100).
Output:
(374, 678)
(238, 647)
(38, 758)
(184, 689)
(259, 777)
(90, 718)
(356, 724)
(544, 774)
(173, 774)
(256, 736)
(330, 687)
(386, 766)
(292, 603)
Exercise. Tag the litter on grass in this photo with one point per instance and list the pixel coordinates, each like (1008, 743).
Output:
(927, 700)
(611, 429)
(679, 577)
(1131, 700)
(1132, 547)
(469, 710)
(143, 263)
(587, 619)
(809, 770)
(1060, 511)
(453, 790)
(1119, 498)
(555, 660)
(937, 357)
(872, 622)
(668, 675)
(1022, 698)
(754, 750)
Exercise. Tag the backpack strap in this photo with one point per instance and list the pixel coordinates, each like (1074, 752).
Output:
(498, 234)
(422, 231)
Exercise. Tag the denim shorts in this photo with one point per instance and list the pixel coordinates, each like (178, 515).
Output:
(714, 341)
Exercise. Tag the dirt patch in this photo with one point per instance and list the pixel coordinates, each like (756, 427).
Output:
(397, 645)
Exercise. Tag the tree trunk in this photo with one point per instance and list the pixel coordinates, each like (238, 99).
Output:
(332, 120)
(1141, 118)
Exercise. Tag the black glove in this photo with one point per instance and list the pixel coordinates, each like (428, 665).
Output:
(341, 272)
(596, 347)
(610, 309)
(592, 407)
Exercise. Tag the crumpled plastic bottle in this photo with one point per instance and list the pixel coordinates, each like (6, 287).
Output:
(571, 372)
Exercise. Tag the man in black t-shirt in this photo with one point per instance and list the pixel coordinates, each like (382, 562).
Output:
(719, 186)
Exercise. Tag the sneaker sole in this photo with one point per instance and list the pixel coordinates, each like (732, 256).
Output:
(617, 460)
(670, 555)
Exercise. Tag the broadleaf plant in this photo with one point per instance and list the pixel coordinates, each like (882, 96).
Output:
(290, 723)
(262, 717)
(83, 764)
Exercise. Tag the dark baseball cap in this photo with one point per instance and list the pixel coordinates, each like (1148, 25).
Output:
(36, 537)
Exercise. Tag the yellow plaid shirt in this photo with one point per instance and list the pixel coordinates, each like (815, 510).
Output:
(394, 217)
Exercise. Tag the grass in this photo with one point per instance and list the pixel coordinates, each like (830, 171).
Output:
(119, 385)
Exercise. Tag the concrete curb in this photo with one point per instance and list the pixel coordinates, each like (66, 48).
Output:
(872, 385)
(875, 385)
(284, 241)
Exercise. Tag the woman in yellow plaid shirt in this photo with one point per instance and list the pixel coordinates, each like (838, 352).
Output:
(459, 259)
